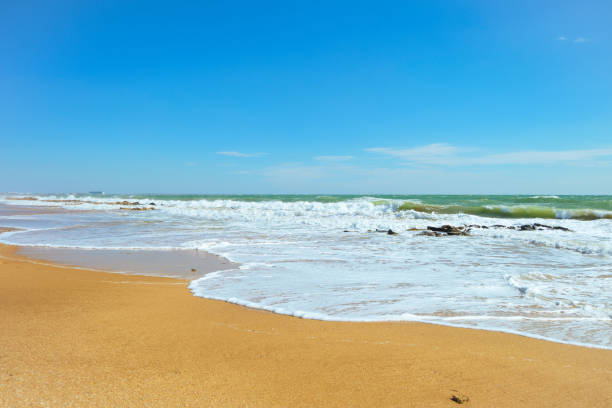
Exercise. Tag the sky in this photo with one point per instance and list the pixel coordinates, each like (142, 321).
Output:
(407, 97)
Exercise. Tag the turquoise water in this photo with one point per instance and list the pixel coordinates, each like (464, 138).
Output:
(602, 202)
(582, 207)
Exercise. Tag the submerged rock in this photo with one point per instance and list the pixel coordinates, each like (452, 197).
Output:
(555, 227)
(136, 208)
(541, 227)
(450, 230)
(22, 198)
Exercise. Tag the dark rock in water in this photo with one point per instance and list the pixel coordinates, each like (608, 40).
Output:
(137, 208)
(477, 226)
(151, 203)
(450, 230)
(465, 229)
(387, 231)
(556, 227)
(444, 228)
(427, 233)
(540, 227)
(124, 202)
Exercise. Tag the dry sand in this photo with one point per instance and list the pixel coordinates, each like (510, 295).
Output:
(77, 338)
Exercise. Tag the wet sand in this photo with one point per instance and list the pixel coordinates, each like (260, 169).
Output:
(79, 338)
(12, 210)
(183, 264)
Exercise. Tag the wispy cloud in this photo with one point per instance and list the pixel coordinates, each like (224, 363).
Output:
(544, 157)
(333, 158)
(577, 40)
(241, 154)
(445, 154)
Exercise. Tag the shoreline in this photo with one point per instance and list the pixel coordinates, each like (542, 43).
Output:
(219, 264)
(99, 338)
(249, 305)
(213, 263)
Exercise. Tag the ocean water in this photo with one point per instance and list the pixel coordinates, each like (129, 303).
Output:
(320, 257)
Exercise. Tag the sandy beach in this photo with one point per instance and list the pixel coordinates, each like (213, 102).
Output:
(79, 338)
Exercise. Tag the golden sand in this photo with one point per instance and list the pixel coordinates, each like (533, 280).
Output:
(77, 338)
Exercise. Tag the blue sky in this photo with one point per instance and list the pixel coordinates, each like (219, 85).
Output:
(307, 97)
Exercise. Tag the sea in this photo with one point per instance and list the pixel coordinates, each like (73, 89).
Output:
(534, 265)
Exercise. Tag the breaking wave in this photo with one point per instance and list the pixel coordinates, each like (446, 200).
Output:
(503, 211)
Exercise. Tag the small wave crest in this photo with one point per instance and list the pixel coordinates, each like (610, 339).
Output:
(503, 211)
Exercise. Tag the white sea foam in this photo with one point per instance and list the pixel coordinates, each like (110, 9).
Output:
(297, 259)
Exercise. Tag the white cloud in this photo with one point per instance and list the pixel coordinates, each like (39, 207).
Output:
(445, 154)
(430, 154)
(576, 40)
(333, 158)
(240, 154)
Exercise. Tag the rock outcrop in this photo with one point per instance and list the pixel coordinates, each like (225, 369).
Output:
(450, 230)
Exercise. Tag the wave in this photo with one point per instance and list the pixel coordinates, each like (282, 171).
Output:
(467, 321)
(501, 211)
(504, 207)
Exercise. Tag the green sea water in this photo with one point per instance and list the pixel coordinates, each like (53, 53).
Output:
(581, 207)
(603, 202)
(584, 207)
